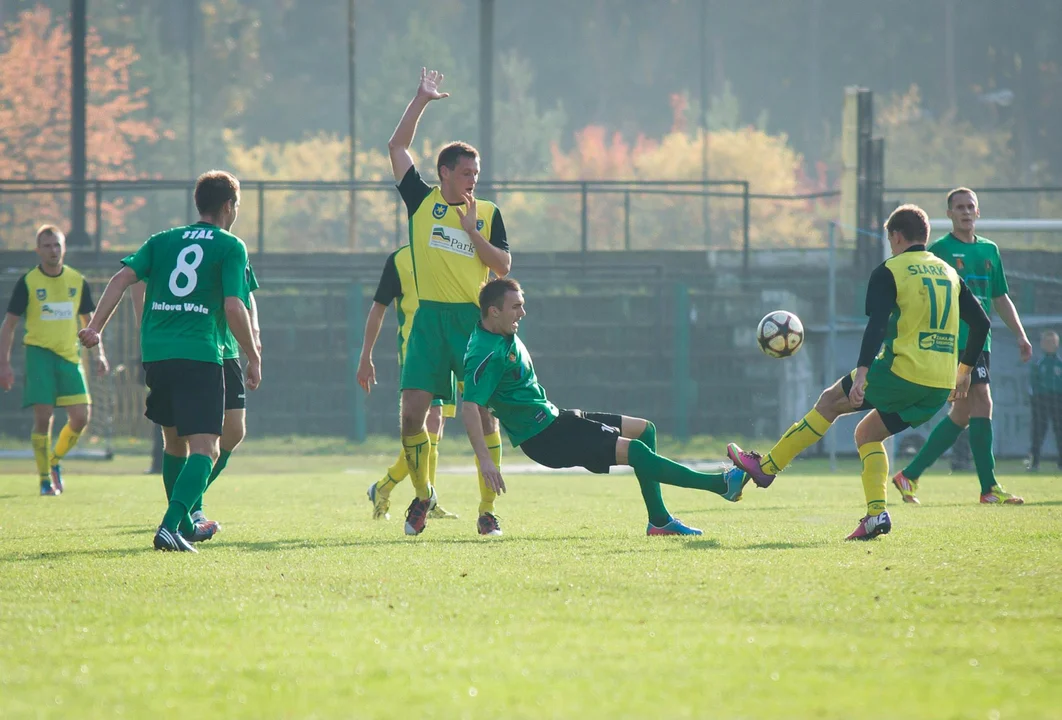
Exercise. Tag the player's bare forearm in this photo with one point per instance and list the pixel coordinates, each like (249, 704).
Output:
(373, 323)
(470, 416)
(7, 337)
(1009, 315)
(256, 330)
(498, 260)
(402, 138)
(239, 320)
(136, 294)
(112, 295)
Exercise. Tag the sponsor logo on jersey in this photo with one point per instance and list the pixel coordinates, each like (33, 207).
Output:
(439, 211)
(57, 311)
(936, 342)
(452, 240)
(180, 307)
(41, 293)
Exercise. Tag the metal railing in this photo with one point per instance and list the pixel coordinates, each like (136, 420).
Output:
(601, 207)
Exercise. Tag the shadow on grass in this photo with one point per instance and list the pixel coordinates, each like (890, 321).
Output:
(64, 554)
(711, 544)
(1045, 503)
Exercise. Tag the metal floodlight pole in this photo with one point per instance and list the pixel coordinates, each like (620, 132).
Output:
(78, 96)
(486, 92)
(353, 126)
(190, 51)
(705, 101)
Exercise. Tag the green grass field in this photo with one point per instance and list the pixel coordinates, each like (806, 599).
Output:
(304, 607)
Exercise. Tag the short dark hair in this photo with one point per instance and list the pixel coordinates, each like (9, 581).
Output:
(215, 188)
(910, 221)
(52, 230)
(960, 191)
(453, 152)
(493, 293)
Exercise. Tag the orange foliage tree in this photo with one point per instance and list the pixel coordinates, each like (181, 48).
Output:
(672, 217)
(35, 86)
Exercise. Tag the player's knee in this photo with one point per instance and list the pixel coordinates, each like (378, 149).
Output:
(234, 431)
(79, 419)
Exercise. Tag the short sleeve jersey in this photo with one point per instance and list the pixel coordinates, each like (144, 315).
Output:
(920, 342)
(51, 306)
(499, 375)
(397, 283)
(232, 348)
(448, 268)
(981, 268)
(189, 271)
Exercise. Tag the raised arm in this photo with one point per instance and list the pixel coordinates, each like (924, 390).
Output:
(402, 138)
(1009, 315)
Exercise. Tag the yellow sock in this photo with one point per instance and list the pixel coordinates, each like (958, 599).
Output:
(66, 442)
(433, 457)
(486, 495)
(875, 475)
(40, 443)
(799, 437)
(395, 474)
(417, 449)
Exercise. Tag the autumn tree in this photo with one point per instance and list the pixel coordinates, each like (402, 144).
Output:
(35, 88)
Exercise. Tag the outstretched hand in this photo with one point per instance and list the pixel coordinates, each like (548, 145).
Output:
(492, 476)
(430, 80)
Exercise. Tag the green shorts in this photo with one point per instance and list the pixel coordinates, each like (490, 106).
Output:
(902, 403)
(448, 403)
(436, 350)
(53, 380)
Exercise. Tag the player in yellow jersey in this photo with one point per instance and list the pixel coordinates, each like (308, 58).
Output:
(397, 284)
(914, 301)
(456, 241)
(52, 297)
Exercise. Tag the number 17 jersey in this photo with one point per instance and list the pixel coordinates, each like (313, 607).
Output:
(189, 271)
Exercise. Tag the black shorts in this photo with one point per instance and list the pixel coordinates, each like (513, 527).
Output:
(186, 394)
(235, 392)
(979, 376)
(576, 439)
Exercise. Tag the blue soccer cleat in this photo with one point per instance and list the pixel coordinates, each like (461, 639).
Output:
(57, 479)
(673, 527)
(736, 480)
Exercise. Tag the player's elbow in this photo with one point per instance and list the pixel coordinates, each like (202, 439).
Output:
(503, 265)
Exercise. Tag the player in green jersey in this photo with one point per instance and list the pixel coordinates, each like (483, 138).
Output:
(197, 291)
(499, 375)
(234, 427)
(976, 260)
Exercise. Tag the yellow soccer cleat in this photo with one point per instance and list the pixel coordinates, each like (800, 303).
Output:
(381, 503)
(907, 488)
(440, 513)
(999, 496)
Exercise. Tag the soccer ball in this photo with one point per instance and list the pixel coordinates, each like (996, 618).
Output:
(780, 333)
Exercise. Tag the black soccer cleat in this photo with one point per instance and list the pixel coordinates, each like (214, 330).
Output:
(172, 541)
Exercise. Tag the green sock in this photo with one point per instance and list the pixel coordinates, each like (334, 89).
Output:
(648, 435)
(223, 460)
(654, 501)
(981, 449)
(943, 437)
(171, 468)
(648, 465)
(189, 487)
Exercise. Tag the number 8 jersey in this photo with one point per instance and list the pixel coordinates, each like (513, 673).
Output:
(189, 271)
(921, 341)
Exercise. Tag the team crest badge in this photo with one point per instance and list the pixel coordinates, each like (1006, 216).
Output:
(959, 264)
(479, 224)
(512, 357)
(988, 266)
(439, 211)
(72, 291)
(41, 293)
